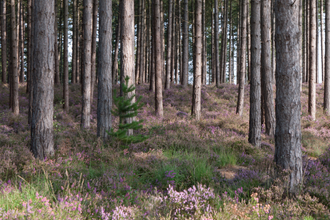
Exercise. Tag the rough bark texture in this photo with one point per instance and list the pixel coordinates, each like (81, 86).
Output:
(74, 43)
(21, 43)
(216, 42)
(288, 154)
(104, 71)
(142, 39)
(169, 46)
(204, 53)
(115, 58)
(159, 63)
(255, 91)
(327, 60)
(185, 52)
(242, 59)
(87, 57)
(4, 41)
(42, 143)
(57, 64)
(266, 69)
(30, 60)
(223, 61)
(94, 29)
(66, 58)
(197, 87)
(312, 61)
(127, 50)
(14, 66)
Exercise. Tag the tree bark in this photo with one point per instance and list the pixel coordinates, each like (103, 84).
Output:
(266, 69)
(242, 60)
(255, 91)
(197, 87)
(4, 41)
(216, 42)
(94, 29)
(138, 42)
(230, 44)
(66, 58)
(21, 36)
(322, 42)
(57, 64)
(30, 60)
(204, 52)
(312, 61)
(42, 143)
(115, 59)
(159, 63)
(142, 54)
(169, 46)
(14, 51)
(185, 43)
(87, 28)
(327, 60)
(288, 107)
(105, 82)
(74, 44)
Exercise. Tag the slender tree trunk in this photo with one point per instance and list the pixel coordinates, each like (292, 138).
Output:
(74, 44)
(94, 29)
(317, 45)
(308, 40)
(242, 60)
(138, 47)
(213, 48)
(273, 43)
(79, 45)
(66, 58)
(216, 42)
(322, 42)
(21, 36)
(4, 41)
(30, 59)
(159, 63)
(115, 59)
(86, 99)
(327, 60)
(173, 45)
(196, 104)
(142, 54)
(177, 34)
(127, 49)
(169, 45)
(57, 65)
(288, 108)
(230, 43)
(266, 69)
(42, 143)
(303, 43)
(153, 61)
(104, 101)
(255, 91)
(204, 53)
(312, 61)
(248, 42)
(61, 55)
(185, 44)
(14, 51)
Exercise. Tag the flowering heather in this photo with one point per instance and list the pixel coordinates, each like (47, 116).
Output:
(176, 174)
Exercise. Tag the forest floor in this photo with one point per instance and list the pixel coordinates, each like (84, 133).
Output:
(185, 169)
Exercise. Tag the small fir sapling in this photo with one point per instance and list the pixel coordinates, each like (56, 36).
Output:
(125, 108)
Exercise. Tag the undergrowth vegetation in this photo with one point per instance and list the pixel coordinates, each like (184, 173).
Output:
(184, 170)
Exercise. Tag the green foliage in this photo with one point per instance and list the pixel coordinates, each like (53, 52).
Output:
(125, 108)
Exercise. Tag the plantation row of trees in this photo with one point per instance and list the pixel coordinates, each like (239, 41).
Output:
(156, 42)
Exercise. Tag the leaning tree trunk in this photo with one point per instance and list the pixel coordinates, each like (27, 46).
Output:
(288, 107)
(197, 87)
(14, 51)
(327, 60)
(266, 69)
(93, 68)
(66, 58)
(312, 61)
(159, 63)
(42, 143)
(104, 101)
(127, 48)
(185, 52)
(87, 57)
(4, 41)
(255, 91)
(242, 60)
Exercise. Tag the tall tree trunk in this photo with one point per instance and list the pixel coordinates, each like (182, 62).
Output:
(138, 42)
(14, 51)
(30, 59)
(74, 44)
(213, 68)
(169, 45)
(327, 60)
(255, 91)
(266, 69)
(288, 108)
(57, 64)
(204, 52)
(197, 87)
(115, 58)
(248, 42)
(312, 61)
(104, 101)
(307, 40)
(230, 43)
(42, 143)
(79, 45)
(177, 34)
(21, 36)
(303, 43)
(142, 54)
(127, 49)
(273, 43)
(60, 45)
(322, 42)
(4, 41)
(159, 63)
(242, 60)
(317, 44)
(66, 58)
(173, 45)
(153, 61)
(94, 29)
(216, 42)
(86, 99)
(185, 44)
